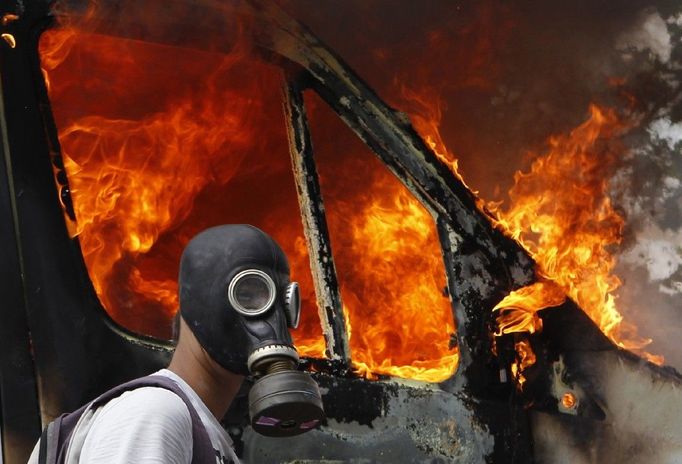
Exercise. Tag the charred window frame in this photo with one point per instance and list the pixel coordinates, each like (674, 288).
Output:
(71, 350)
(311, 203)
(469, 246)
(315, 227)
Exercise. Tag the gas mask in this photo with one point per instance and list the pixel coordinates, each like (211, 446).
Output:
(237, 298)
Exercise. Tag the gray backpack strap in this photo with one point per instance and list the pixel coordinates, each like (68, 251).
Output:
(57, 434)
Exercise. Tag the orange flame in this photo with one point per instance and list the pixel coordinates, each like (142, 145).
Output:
(400, 320)
(151, 161)
(140, 172)
(388, 260)
(561, 213)
(525, 358)
(518, 310)
(570, 230)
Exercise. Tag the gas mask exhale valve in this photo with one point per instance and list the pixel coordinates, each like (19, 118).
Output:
(237, 298)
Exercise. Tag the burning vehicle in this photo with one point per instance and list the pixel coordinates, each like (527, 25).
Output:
(441, 327)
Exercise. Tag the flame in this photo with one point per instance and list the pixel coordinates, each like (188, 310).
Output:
(400, 318)
(142, 164)
(518, 310)
(559, 210)
(388, 260)
(9, 38)
(572, 229)
(525, 358)
(152, 160)
(561, 213)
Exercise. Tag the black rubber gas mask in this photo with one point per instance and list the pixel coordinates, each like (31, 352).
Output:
(237, 298)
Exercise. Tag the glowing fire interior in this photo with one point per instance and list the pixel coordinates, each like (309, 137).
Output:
(160, 143)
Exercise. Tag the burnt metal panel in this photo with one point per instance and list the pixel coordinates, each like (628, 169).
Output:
(19, 413)
(77, 350)
(386, 421)
(628, 409)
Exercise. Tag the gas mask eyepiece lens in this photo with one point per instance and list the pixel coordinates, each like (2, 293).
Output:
(251, 292)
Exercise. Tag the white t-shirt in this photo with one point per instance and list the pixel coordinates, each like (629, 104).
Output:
(147, 425)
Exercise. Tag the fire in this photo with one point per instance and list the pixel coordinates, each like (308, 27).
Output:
(146, 158)
(525, 357)
(399, 278)
(518, 310)
(561, 213)
(388, 260)
(160, 143)
(572, 229)
(559, 210)
(9, 38)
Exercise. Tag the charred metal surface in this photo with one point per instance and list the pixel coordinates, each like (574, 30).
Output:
(315, 224)
(78, 352)
(565, 328)
(491, 394)
(389, 422)
(19, 412)
(364, 408)
(627, 409)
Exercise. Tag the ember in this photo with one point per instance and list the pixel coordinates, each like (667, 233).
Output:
(568, 400)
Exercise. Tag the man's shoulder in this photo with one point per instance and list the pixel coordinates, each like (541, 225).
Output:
(147, 424)
(148, 402)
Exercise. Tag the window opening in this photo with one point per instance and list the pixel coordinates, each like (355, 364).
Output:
(160, 142)
(388, 259)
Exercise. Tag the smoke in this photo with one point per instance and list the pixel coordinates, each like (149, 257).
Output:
(649, 186)
(665, 130)
(650, 34)
(504, 76)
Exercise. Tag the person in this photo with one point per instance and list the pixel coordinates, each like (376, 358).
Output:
(236, 304)
(152, 424)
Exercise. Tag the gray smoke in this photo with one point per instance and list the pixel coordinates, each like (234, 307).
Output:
(650, 193)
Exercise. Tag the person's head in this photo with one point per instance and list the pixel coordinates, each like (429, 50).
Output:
(237, 299)
(236, 295)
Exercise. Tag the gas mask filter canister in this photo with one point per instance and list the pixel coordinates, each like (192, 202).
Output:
(236, 297)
